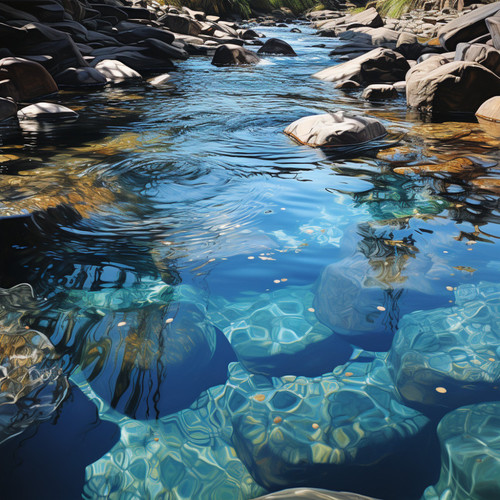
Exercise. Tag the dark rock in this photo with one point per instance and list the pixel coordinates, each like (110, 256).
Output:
(458, 86)
(276, 47)
(347, 85)
(111, 11)
(135, 58)
(8, 108)
(137, 13)
(377, 66)
(72, 78)
(231, 55)
(312, 494)
(157, 48)
(24, 80)
(295, 30)
(467, 27)
(129, 33)
(9, 13)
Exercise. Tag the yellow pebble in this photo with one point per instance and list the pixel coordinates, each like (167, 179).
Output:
(441, 390)
(276, 281)
(449, 288)
(122, 323)
(381, 308)
(315, 426)
(311, 309)
(277, 420)
(348, 374)
(169, 320)
(259, 397)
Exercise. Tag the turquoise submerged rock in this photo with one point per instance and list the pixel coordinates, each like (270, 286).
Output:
(185, 455)
(450, 357)
(299, 430)
(470, 454)
(278, 332)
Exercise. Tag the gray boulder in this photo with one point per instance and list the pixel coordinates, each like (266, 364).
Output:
(183, 25)
(335, 129)
(86, 77)
(467, 27)
(234, 55)
(47, 112)
(377, 66)
(483, 54)
(493, 24)
(379, 92)
(458, 86)
(116, 72)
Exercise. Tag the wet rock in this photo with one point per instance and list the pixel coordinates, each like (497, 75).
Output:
(273, 332)
(450, 357)
(32, 382)
(74, 78)
(160, 80)
(377, 66)
(458, 167)
(188, 453)
(369, 18)
(46, 111)
(135, 58)
(183, 24)
(467, 27)
(400, 86)
(129, 33)
(482, 54)
(299, 430)
(24, 80)
(162, 50)
(335, 129)
(8, 109)
(234, 55)
(312, 494)
(379, 37)
(470, 454)
(116, 72)
(488, 184)
(274, 46)
(347, 85)
(379, 92)
(458, 86)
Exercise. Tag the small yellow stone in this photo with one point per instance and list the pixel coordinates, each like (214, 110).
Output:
(449, 288)
(169, 320)
(311, 309)
(381, 308)
(251, 257)
(315, 426)
(122, 323)
(259, 397)
(276, 281)
(277, 420)
(441, 390)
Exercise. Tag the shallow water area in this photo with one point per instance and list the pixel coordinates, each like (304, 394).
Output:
(172, 234)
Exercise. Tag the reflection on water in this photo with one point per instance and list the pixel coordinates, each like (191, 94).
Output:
(172, 232)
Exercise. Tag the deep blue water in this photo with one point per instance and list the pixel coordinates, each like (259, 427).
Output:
(197, 185)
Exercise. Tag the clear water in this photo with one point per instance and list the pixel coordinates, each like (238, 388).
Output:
(196, 186)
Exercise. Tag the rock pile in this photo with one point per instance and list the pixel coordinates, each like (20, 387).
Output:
(448, 59)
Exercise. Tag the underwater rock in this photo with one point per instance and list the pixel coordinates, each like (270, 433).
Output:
(312, 494)
(335, 129)
(298, 430)
(185, 455)
(278, 332)
(450, 357)
(470, 454)
(31, 380)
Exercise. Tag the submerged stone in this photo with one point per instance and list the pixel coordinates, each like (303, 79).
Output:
(450, 357)
(470, 454)
(312, 494)
(185, 455)
(277, 332)
(298, 430)
(31, 380)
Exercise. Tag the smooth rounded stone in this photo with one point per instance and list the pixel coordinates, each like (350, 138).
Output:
(400, 86)
(24, 80)
(467, 27)
(377, 66)
(275, 46)
(347, 85)
(312, 494)
(493, 24)
(234, 55)
(335, 129)
(482, 54)
(129, 33)
(470, 454)
(32, 382)
(185, 455)
(405, 38)
(488, 116)
(135, 58)
(299, 430)
(80, 78)
(8, 109)
(369, 18)
(273, 332)
(450, 357)
(295, 30)
(248, 34)
(379, 92)
(459, 86)
(46, 111)
(160, 80)
(162, 50)
(116, 72)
